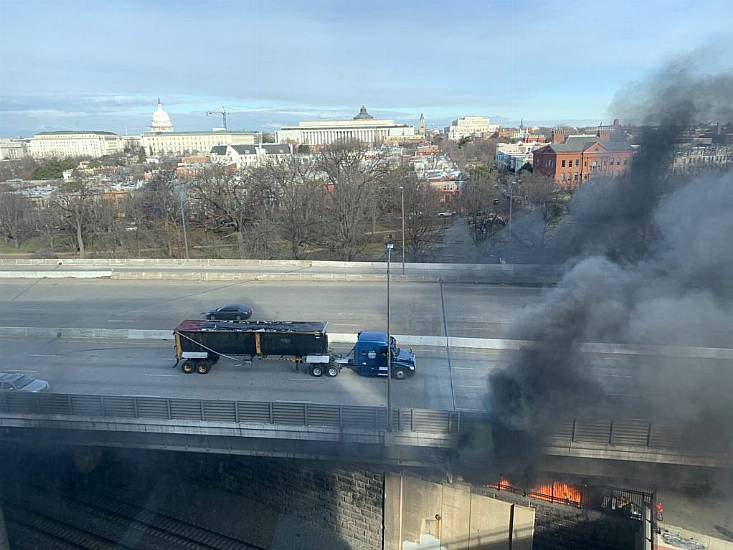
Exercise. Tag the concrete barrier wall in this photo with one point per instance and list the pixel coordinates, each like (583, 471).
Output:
(302, 270)
(421, 514)
(55, 274)
(232, 263)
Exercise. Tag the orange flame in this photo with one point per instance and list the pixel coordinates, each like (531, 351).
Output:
(555, 491)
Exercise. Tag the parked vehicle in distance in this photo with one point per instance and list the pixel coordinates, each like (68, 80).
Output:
(229, 312)
(15, 381)
(446, 214)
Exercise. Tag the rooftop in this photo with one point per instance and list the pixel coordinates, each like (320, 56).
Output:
(373, 336)
(75, 132)
(207, 133)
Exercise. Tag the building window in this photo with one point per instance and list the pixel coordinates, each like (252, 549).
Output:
(563, 164)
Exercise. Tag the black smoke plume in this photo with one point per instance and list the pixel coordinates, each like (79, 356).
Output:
(652, 263)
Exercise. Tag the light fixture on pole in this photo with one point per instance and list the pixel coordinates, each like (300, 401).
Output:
(402, 193)
(390, 246)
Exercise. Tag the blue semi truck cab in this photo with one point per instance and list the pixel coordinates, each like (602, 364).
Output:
(369, 357)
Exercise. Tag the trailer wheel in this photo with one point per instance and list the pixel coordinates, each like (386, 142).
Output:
(332, 371)
(203, 367)
(187, 367)
(316, 370)
(399, 374)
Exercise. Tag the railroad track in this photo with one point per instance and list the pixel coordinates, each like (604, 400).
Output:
(99, 522)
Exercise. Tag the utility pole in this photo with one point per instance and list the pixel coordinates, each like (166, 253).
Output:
(223, 114)
(511, 202)
(390, 246)
(181, 194)
(402, 193)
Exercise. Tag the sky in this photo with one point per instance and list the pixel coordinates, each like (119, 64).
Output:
(101, 65)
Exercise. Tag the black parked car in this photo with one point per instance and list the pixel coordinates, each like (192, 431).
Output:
(230, 312)
(13, 381)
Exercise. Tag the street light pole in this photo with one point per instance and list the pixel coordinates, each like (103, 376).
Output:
(511, 202)
(390, 246)
(402, 193)
(183, 222)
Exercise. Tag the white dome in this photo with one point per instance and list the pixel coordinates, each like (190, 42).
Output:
(161, 121)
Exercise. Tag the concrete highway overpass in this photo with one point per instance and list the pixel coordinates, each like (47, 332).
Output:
(451, 378)
(411, 437)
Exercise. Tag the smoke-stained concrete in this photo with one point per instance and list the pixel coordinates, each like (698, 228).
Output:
(652, 259)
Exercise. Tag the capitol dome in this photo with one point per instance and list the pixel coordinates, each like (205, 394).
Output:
(161, 121)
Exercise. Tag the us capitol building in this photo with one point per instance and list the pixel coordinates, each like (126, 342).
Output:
(162, 140)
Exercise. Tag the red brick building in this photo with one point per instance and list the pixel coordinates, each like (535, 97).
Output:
(580, 158)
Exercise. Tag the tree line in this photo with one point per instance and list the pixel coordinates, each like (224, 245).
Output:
(342, 203)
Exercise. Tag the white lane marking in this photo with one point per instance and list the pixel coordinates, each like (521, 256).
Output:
(465, 368)
(161, 375)
(121, 320)
(459, 386)
(45, 355)
(311, 379)
(24, 370)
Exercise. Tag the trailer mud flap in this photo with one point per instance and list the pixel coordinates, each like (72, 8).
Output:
(179, 350)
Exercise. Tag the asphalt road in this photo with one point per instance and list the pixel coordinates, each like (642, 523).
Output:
(481, 311)
(139, 367)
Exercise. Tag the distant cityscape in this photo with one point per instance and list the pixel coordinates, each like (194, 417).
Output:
(235, 183)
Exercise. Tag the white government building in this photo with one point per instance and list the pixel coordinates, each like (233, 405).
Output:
(162, 140)
(75, 144)
(249, 155)
(13, 149)
(470, 126)
(363, 127)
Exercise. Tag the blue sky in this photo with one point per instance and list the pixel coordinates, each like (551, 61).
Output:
(68, 64)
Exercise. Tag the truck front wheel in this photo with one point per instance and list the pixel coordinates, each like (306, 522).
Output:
(316, 370)
(399, 374)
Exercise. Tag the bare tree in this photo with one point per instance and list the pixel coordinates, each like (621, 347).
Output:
(542, 197)
(298, 196)
(16, 213)
(478, 201)
(155, 212)
(472, 153)
(237, 199)
(422, 204)
(75, 199)
(48, 222)
(352, 180)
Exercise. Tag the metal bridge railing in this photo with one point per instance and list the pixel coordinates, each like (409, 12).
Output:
(612, 433)
(257, 412)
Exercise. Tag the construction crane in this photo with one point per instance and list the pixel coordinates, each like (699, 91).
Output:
(223, 114)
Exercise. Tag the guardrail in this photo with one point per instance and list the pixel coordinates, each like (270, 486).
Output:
(626, 433)
(640, 435)
(240, 412)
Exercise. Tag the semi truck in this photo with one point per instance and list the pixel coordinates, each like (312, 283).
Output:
(199, 344)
